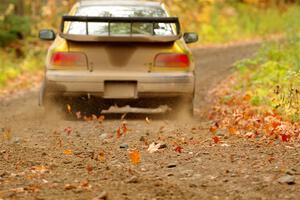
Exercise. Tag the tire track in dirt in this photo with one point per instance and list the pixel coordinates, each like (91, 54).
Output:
(35, 161)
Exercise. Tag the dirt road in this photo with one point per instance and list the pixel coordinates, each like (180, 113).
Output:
(54, 158)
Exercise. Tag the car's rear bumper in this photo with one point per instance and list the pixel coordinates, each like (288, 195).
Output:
(165, 84)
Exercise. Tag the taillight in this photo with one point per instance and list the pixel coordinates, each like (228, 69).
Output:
(172, 60)
(69, 59)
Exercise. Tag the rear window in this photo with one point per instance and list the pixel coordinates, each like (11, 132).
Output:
(95, 28)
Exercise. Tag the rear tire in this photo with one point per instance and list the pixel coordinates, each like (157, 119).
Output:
(183, 108)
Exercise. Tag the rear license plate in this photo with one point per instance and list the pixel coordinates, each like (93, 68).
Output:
(120, 90)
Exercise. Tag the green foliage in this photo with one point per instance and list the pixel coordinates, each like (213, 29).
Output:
(273, 77)
(7, 68)
(255, 101)
(226, 99)
(11, 66)
(227, 21)
(13, 27)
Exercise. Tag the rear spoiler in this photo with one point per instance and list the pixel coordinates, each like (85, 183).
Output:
(120, 38)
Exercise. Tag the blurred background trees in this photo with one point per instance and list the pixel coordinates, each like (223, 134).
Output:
(216, 21)
(21, 18)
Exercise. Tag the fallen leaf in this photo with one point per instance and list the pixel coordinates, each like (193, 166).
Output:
(213, 129)
(271, 159)
(7, 135)
(289, 147)
(102, 196)
(285, 137)
(287, 179)
(232, 130)
(85, 184)
(68, 130)
(101, 119)
(134, 156)
(119, 134)
(124, 128)
(78, 115)
(123, 116)
(32, 188)
(178, 149)
(70, 187)
(69, 108)
(94, 117)
(89, 168)
(101, 156)
(216, 139)
(68, 152)
(247, 97)
(18, 190)
(39, 169)
(60, 142)
(225, 145)
(87, 119)
(148, 120)
(153, 147)
(250, 135)
(275, 124)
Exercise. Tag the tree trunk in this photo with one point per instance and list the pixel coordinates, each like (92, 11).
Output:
(19, 7)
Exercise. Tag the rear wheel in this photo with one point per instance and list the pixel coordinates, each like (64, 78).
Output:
(184, 108)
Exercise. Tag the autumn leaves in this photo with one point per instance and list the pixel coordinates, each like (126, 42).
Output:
(238, 117)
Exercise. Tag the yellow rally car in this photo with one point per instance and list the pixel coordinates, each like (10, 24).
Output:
(120, 52)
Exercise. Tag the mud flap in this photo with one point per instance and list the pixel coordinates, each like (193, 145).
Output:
(42, 94)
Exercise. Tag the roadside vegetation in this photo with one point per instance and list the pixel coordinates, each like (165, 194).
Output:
(262, 99)
(13, 65)
(230, 21)
(272, 78)
(21, 52)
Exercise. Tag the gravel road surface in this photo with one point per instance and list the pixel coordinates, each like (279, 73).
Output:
(55, 158)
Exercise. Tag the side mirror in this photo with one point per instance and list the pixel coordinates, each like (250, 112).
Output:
(190, 37)
(47, 34)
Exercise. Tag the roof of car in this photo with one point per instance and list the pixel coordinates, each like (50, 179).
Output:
(119, 2)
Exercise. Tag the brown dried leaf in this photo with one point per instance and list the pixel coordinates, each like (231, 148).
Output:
(78, 115)
(148, 120)
(89, 168)
(101, 119)
(94, 117)
(232, 130)
(178, 149)
(69, 187)
(68, 130)
(216, 139)
(101, 156)
(39, 169)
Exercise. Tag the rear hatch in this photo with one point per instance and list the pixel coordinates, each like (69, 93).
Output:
(126, 57)
(120, 43)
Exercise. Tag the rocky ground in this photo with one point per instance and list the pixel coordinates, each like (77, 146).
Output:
(54, 158)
